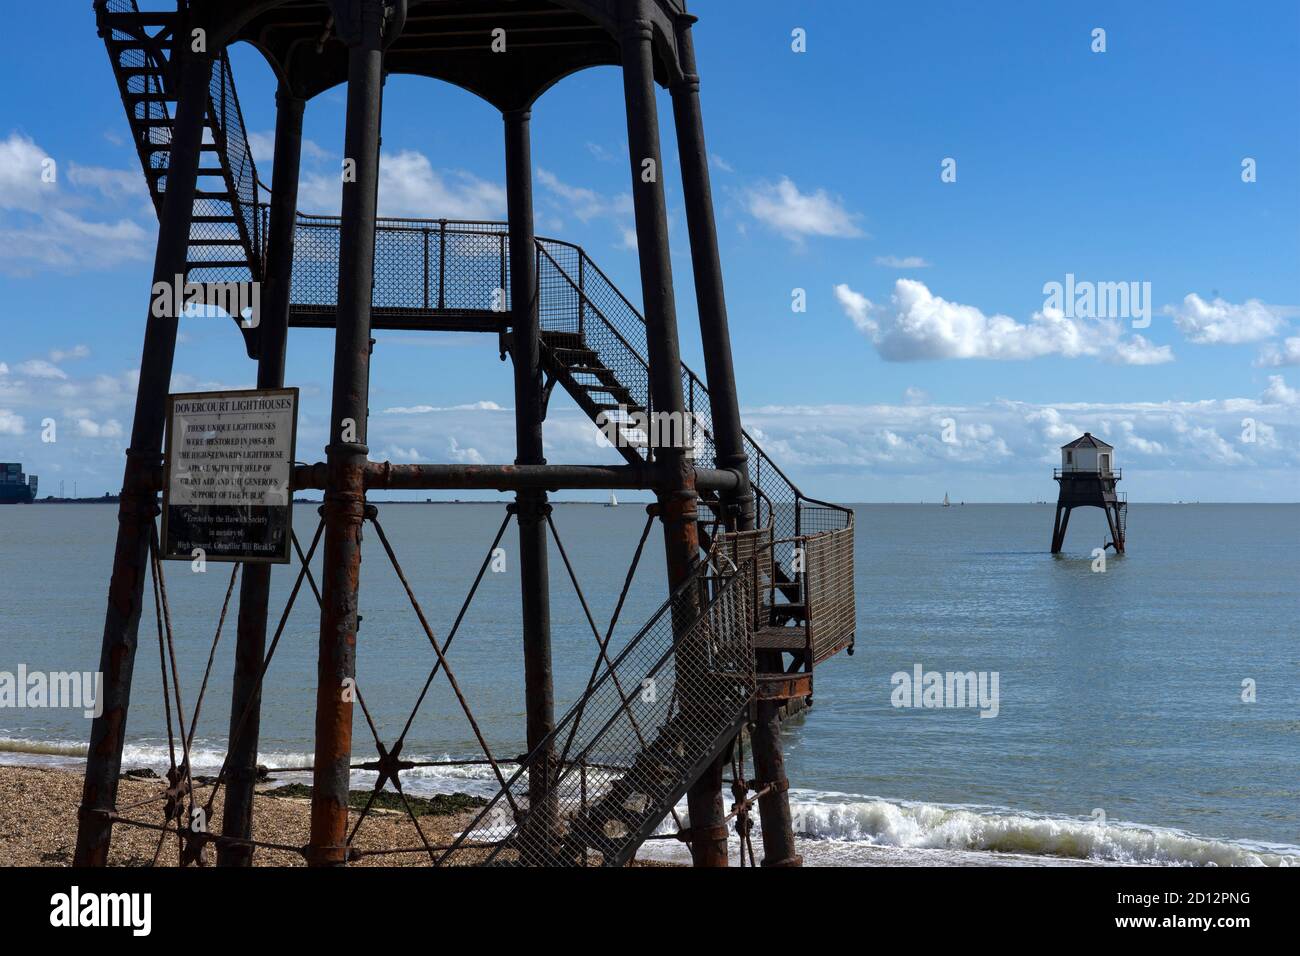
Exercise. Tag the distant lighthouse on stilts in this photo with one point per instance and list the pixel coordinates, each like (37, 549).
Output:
(1087, 477)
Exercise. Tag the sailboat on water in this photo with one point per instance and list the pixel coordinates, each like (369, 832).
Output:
(946, 502)
(613, 502)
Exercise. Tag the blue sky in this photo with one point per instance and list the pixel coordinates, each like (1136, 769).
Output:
(925, 299)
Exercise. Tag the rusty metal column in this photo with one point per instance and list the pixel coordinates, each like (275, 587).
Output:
(139, 504)
(531, 506)
(677, 498)
(769, 762)
(361, 27)
(715, 335)
(273, 334)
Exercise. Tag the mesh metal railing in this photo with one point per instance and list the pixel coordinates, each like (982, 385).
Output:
(425, 265)
(240, 184)
(627, 750)
(421, 265)
(147, 82)
(820, 579)
(828, 591)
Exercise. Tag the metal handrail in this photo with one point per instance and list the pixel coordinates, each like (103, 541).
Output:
(762, 468)
(1116, 473)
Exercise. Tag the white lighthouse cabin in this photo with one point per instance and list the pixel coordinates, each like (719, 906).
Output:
(1088, 454)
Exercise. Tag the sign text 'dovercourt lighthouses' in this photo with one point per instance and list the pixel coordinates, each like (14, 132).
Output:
(1087, 477)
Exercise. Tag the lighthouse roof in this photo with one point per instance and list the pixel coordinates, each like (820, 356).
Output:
(1087, 440)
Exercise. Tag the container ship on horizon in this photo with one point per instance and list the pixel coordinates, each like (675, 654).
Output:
(16, 488)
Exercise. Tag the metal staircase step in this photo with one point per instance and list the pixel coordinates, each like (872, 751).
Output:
(125, 21)
(203, 171)
(218, 263)
(616, 391)
(600, 371)
(780, 639)
(167, 148)
(577, 355)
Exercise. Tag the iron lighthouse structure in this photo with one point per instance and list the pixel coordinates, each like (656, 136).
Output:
(759, 575)
(1087, 478)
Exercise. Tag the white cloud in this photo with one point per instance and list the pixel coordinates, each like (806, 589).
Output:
(22, 184)
(1279, 393)
(89, 428)
(721, 164)
(410, 186)
(1135, 441)
(398, 453)
(902, 262)
(921, 325)
(39, 368)
(115, 184)
(1225, 323)
(1138, 350)
(586, 204)
(857, 307)
(1273, 355)
(464, 456)
(11, 423)
(482, 406)
(262, 145)
(797, 215)
(43, 226)
(601, 153)
(1013, 439)
(76, 352)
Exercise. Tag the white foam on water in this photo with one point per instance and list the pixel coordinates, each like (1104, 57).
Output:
(875, 822)
(834, 829)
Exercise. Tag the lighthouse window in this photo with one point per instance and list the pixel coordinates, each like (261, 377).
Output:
(1069, 458)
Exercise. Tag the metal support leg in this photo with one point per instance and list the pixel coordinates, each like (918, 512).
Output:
(344, 508)
(1062, 522)
(1112, 519)
(774, 807)
(138, 505)
(715, 334)
(769, 770)
(531, 505)
(677, 497)
(272, 338)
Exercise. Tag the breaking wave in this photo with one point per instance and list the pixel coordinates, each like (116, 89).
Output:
(838, 818)
(834, 828)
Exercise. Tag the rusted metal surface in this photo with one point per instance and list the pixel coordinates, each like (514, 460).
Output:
(391, 477)
(138, 505)
(272, 335)
(344, 508)
(653, 721)
(782, 687)
(565, 318)
(828, 592)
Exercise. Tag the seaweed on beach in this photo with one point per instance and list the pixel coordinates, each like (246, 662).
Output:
(439, 805)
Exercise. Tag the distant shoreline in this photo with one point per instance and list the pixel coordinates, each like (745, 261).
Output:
(632, 503)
